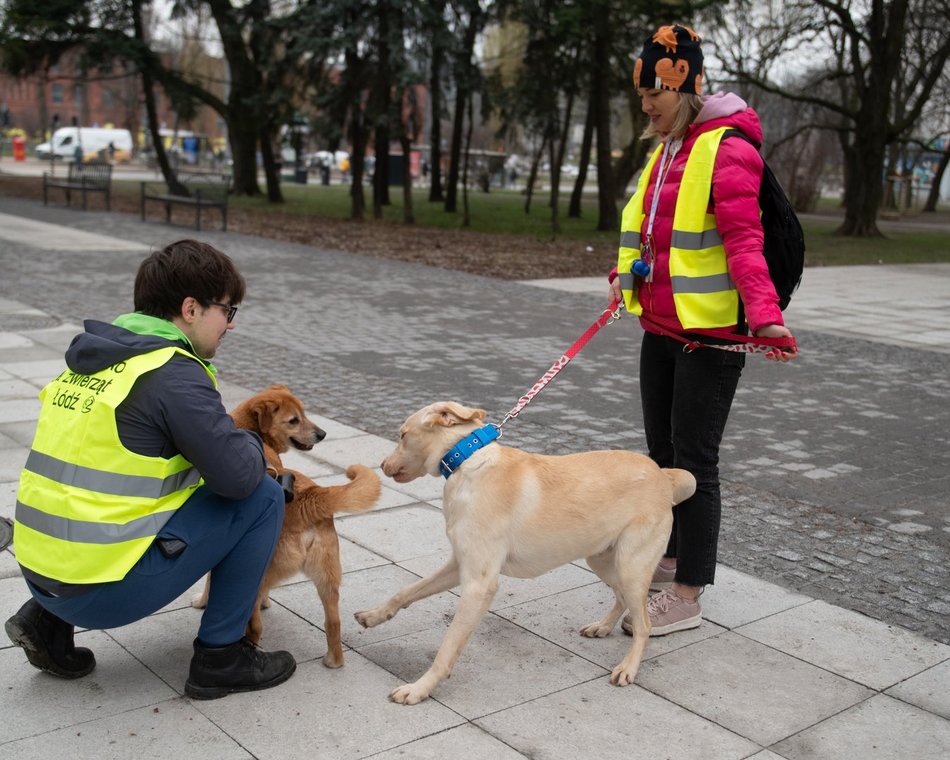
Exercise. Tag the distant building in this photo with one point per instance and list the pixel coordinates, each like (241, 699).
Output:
(106, 96)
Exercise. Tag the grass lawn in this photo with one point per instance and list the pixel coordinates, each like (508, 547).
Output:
(502, 211)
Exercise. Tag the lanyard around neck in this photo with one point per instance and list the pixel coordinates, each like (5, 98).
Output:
(671, 149)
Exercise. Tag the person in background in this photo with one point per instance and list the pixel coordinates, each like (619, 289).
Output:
(138, 483)
(690, 259)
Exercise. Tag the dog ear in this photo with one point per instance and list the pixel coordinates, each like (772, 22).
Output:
(448, 413)
(264, 411)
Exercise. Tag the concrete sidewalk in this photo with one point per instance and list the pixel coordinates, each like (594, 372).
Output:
(771, 673)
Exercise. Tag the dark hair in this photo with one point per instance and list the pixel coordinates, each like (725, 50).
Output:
(185, 268)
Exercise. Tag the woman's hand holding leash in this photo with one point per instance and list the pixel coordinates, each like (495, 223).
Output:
(776, 331)
(614, 293)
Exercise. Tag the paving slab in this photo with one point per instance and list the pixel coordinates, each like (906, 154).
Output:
(324, 713)
(747, 687)
(929, 690)
(467, 742)
(831, 587)
(35, 703)
(868, 651)
(501, 666)
(597, 720)
(876, 728)
(172, 728)
(400, 533)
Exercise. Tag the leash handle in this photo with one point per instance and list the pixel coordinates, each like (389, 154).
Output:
(610, 315)
(742, 343)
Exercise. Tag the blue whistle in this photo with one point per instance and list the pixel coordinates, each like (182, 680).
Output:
(640, 268)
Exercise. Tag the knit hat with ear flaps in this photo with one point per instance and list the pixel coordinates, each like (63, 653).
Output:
(671, 60)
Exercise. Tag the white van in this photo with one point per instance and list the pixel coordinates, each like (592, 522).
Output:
(94, 141)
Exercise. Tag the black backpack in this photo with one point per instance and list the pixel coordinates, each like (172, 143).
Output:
(784, 240)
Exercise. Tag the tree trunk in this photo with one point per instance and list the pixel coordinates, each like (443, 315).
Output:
(533, 176)
(148, 93)
(466, 219)
(455, 149)
(557, 160)
(358, 142)
(408, 217)
(436, 194)
(408, 133)
(864, 159)
(271, 173)
(601, 77)
(242, 137)
(381, 111)
(242, 112)
(934, 195)
(555, 181)
(862, 197)
(463, 85)
(574, 209)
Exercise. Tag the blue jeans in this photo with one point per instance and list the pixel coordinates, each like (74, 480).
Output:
(234, 540)
(686, 400)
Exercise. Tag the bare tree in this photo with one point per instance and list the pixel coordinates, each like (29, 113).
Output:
(872, 50)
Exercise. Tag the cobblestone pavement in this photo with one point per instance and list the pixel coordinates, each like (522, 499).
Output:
(836, 468)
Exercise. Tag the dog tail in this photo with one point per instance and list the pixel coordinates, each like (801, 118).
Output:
(363, 490)
(684, 484)
(315, 502)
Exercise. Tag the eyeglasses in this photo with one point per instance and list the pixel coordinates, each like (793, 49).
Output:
(231, 310)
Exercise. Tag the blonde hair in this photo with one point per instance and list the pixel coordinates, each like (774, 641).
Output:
(686, 112)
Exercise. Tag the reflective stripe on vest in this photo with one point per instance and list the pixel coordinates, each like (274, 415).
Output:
(109, 482)
(87, 507)
(703, 293)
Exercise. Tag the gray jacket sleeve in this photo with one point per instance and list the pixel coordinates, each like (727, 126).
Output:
(177, 410)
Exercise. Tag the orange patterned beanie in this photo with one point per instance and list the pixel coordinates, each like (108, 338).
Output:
(671, 60)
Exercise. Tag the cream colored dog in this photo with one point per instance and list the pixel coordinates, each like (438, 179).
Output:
(518, 514)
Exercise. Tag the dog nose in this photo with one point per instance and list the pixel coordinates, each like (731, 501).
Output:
(321, 434)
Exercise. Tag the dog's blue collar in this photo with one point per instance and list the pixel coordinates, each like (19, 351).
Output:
(466, 447)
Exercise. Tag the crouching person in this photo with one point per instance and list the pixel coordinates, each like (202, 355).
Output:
(138, 483)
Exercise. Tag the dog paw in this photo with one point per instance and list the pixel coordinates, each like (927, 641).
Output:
(622, 676)
(371, 618)
(596, 630)
(331, 660)
(199, 601)
(410, 694)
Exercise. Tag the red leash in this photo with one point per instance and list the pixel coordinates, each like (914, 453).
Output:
(610, 314)
(613, 312)
(744, 343)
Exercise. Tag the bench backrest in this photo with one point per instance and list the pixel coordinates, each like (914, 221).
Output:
(94, 173)
(211, 185)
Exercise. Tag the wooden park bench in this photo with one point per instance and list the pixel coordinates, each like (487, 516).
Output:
(205, 190)
(92, 177)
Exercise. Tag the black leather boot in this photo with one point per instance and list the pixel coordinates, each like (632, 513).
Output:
(48, 642)
(218, 671)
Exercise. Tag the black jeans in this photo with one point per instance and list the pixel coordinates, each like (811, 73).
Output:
(686, 399)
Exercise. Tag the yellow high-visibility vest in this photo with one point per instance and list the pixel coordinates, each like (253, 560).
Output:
(88, 508)
(703, 291)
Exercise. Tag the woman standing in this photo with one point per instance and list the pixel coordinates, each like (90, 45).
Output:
(691, 259)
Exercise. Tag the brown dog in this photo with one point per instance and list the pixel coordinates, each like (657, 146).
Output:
(518, 514)
(308, 540)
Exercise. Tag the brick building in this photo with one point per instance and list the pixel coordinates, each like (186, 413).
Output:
(106, 96)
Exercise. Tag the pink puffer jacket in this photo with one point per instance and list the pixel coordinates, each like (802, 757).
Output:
(735, 192)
